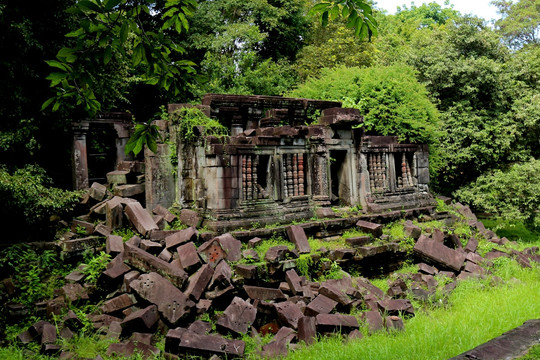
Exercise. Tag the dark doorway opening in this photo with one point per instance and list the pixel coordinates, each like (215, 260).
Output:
(337, 169)
(101, 152)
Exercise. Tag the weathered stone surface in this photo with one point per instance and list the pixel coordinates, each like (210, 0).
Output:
(276, 254)
(288, 313)
(74, 292)
(188, 256)
(246, 271)
(307, 331)
(181, 237)
(75, 276)
(426, 269)
(145, 338)
(294, 281)
(103, 230)
(278, 347)
(114, 331)
(336, 322)
(298, 236)
(200, 327)
(493, 254)
(254, 242)
(374, 320)
(411, 230)
(114, 244)
(82, 227)
(142, 320)
(320, 305)
(251, 255)
(145, 262)
(165, 255)
(473, 268)
(369, 227)
(396, 306)
(48, 334)
(166, 214)
(172, 340)
(222, 275)
(114, 213)
(358, 241)
(231, 246)
(118, 303)
(151, 247)
(140, 218)
(437, 235)
(263, 293)
(212, 252)
(132, 347)
(79, 245)
(333, 292)
(97, 191)
(190, 217)
(129, 190)
(440, 254)
(366, 286)
(172, 303)
(66, 333)
(192, 342)
(394, 323)
(510, 345)
(238, 316)
(117, 177)
(116, 268)
(198, 282)
(472, 245)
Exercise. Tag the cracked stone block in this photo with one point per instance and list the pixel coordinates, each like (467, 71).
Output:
(190, 218)
(472, 245)
(188, 256)
(212, 252)
(427, 269)
(288, 313)
(114, 245)
(334, 293)
(374, 321)
(294, 281)
(172, 303)
(298, 237)
(166, 214)
(141, 321)
(394, 323)
(396, 306)
(411, 230)
(192, 342)
(307, 329)
(370, 228)
(364, 284)
(114, 213)
(198, 282)
(320, 305)
(140, 218)
(165, 255)
(181, 237)
(146, 262)
(222, 275)
(238, 316)
(440, 254)
(276, 254)
(246, 271)
(117, 303)
(48, 334)
(151, 247)
(97, 191)
(231, 246)
(102, 230)
(74, 292)
(279, 346)
(263, 293)
(336, 322)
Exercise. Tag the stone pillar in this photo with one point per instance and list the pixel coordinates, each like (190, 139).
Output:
(320, 184)
(123, 133)
(160, 185)
(79, 155)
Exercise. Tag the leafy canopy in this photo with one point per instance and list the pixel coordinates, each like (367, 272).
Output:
(390, 98)
(120, 30)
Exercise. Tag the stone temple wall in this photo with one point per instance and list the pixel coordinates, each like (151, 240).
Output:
(276, 168)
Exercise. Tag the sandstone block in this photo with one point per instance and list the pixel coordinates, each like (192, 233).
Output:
(298, 236)
(369, 227)
(439, 253)
(140, 218)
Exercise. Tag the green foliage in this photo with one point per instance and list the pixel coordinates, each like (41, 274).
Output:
(390, 99)
(358, 13)
(34, 274)
(95, 265)
(191, 118)
(520, 22)
(512, 230)
(275, 240)
(126, 233)
(303, 264)
(512, 195)
(145, 134)
(119, 31)
(30, 203)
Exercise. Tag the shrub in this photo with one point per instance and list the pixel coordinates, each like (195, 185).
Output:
(390, 98)
(28, 199)
(512, 194)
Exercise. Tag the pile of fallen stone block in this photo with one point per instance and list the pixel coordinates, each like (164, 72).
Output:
(168, 281)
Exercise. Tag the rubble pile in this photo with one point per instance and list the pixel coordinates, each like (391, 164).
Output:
(206, 291)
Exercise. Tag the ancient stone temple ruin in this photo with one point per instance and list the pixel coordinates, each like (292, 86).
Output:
(284, 160)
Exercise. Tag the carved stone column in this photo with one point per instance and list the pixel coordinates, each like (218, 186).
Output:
(79, 155)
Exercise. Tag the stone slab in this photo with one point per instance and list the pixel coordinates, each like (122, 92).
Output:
(307, 330)
(181, 237)
(140, 218)
(298, 236)
(238, 316)
(166, 214)
(198, 282)
(439, 253)
(336, 322)
(206, 345)
(320, 305)
(142, 320)
(288, 313)
(263, 293)
(369, 227)
(188, 256)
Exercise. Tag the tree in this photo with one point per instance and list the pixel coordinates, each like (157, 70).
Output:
(120, 31)
(520, 22)
(390, 98)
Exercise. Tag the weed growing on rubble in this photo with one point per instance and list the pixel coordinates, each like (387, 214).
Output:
(95, 266)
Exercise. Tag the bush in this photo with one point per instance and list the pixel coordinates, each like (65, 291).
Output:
(390, 98)
(512, 194)
(29, 201)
